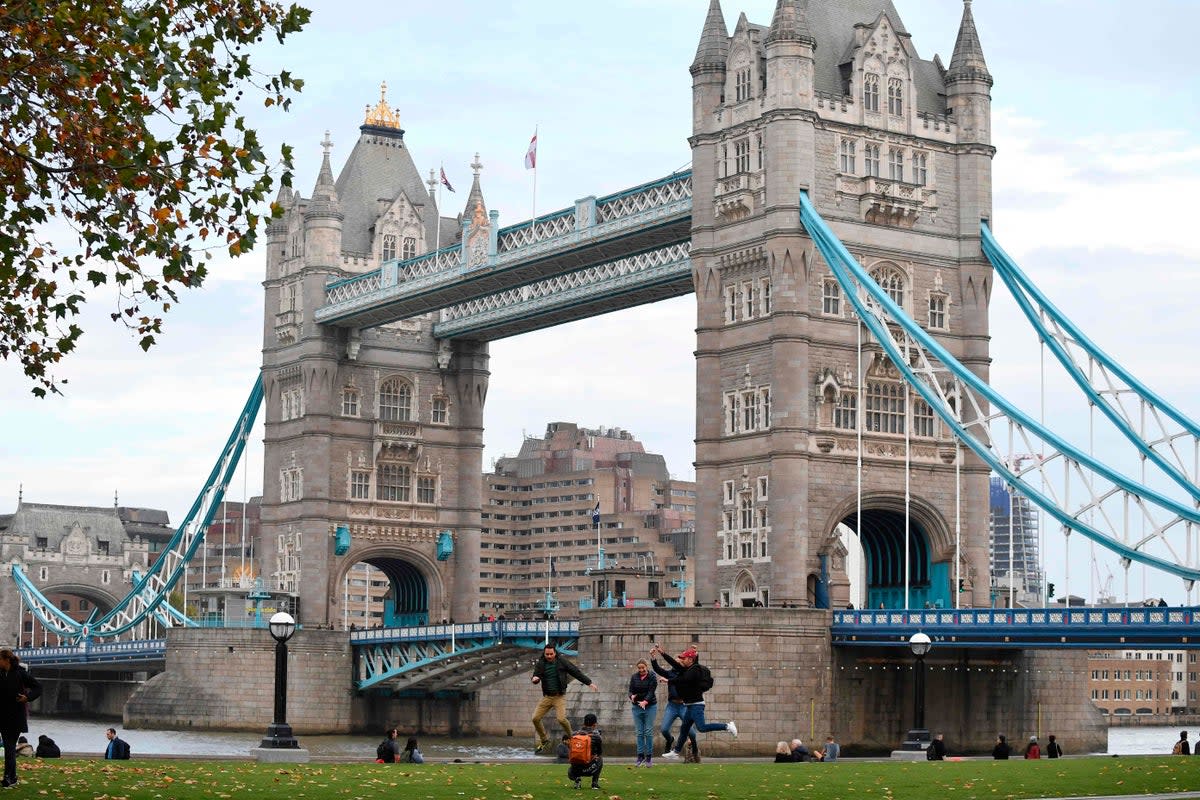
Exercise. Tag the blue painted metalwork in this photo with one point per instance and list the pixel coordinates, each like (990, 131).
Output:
(445, 546)
(341, 540)
(453, 656)
(1024, 628)
(854, 279)
(151, 590)
(89, 652)
(1027, 296)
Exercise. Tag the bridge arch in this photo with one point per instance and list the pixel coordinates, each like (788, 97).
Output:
(931, 550)
(416, 593)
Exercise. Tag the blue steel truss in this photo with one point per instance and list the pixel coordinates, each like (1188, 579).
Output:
(453, 657)
(1032, 628)
(148, 596)
(1111, 501)
(1106, 383)
(594, 231)
(88, 653)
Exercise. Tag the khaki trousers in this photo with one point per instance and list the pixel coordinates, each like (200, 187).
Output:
(559, 703)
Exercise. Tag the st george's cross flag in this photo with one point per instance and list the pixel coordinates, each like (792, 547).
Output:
(446, 181)
(531, 153)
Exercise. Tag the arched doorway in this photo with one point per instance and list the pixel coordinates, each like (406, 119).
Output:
(882, 536)
(745, 591)
(386, 591)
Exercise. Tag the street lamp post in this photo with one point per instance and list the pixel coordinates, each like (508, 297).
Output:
(279, 733)
(918, 737)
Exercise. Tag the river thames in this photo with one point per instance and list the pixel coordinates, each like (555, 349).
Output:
(75, 736)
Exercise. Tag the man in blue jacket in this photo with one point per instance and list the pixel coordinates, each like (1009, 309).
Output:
(118, 748)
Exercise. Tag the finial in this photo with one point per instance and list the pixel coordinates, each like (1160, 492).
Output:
(475, 165)
(382, 116)
(116, 500)
(20, 492)
(382, 91)
(432, 182)
(326, 143)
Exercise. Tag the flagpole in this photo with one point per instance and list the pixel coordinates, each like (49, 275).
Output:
(534, 208)
(549, 594)
(435, 185)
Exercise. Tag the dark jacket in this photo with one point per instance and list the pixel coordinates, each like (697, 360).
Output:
(46, 748)
(118, 749)
(672, 689)
(388, 750)
(1001, 751)
(560, 675)
(686, 681)
(801, 754)
(937, 750)
(643, 688)
(1053, 750)
(14, 716)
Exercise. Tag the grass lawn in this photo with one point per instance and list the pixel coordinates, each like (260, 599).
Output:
(163, 780)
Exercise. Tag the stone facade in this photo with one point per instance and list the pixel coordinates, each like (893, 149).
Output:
(894, 150)
(379, 430)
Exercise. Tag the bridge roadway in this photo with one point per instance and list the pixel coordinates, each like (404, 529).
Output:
(464, 657)
(602, 254)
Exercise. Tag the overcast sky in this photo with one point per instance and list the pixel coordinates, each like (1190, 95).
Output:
(1094, 114)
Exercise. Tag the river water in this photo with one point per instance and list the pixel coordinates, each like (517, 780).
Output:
(87, 736)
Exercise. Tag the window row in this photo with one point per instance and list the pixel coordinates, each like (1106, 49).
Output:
(762, 485)
(394, 403)
(744, 545)
(747, 300)
(892, 282)
(902, 165)
(742, 156)
(748, 410)
(389, 247)
(885, 410)
(394, 483)
(872, 85)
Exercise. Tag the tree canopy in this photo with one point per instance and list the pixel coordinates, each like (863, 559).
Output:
(124, 159)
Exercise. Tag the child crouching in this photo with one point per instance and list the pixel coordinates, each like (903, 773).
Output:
(586, 753)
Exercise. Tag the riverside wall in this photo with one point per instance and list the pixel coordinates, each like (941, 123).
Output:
(776, 675)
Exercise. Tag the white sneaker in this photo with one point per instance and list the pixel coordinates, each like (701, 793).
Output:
(670, 754)
(732, 728)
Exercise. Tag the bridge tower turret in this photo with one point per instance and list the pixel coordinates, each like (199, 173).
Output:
(376, 429)
(831, 99)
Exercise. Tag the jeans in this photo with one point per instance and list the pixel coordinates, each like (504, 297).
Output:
(693, 720)
(643, 728)
(672, 712)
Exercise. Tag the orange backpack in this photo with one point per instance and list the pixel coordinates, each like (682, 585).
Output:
(579, 749)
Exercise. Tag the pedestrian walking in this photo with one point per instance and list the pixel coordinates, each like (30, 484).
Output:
(554, 673)
(642, 687)
(692, 680)
(118, 748)
(937, 748)
(17, 689)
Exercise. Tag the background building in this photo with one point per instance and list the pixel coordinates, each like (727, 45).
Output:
(1013, 554)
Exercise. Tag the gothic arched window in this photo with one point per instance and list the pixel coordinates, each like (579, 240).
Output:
(395, 401)
(410, 248)
(871, 92)
(892, 282)
(389, 246)
(895, 97)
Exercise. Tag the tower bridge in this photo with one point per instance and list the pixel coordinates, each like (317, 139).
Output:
(834, 228)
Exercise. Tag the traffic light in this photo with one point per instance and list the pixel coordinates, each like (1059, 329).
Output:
(961, 589)
(1049, 590)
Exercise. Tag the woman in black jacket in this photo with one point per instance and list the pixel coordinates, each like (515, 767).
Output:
(17, 689)
(645, 707)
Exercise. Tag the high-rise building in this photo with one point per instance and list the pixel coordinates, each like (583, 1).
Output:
(1013, 547)
(585, 514)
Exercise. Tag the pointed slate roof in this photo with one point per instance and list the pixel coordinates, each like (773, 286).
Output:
(713, 49)
(380, 167)
(324, 201)
(475, 196)
(967, 61)
(790, 22)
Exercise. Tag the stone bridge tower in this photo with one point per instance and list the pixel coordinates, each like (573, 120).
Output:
(832, 98)
(377, 430)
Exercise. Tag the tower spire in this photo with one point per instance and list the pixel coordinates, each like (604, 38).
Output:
(476, 209)
(713, 49)
(966, 63)
(790, 22)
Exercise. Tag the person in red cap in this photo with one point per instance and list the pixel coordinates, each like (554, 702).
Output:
(691, 680)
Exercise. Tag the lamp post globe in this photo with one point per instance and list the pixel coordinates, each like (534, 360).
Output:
(279, 733)
(918, 737)
(282, 626)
